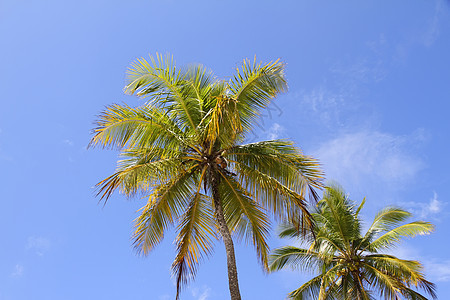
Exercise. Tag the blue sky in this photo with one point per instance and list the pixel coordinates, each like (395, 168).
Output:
(368, 96)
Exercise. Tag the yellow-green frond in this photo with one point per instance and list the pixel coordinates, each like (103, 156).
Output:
(244, 216)
(194, 239)
(253, 86)
(162, 209)
(393, 236)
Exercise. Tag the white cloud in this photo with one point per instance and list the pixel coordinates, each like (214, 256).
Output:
(432, 31)
(204, 295)
(201, 294)
(438, 271)
(333, 107)
(425, 210)
(39, 244)
(275, 131)
(325, 105)
(68, 142)
(434, 206)
(18, 271)
(370, 157)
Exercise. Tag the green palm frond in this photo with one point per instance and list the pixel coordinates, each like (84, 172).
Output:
(162, 209)
(121, 125)
(388, 285)
(245, 217)
(409, 272)
(407, 230)
(328, 244)
(276, 172)
(386, 219)
(328, 282)
(136, 174)
(279, 159)
(203, 84)
(253, 86)
(308, 290)
(291, 230)
(164, 85)
(271, 193)
(337, 216)
(155, 78)
(223, 123)
(295, 258)
(426, 285)
(194, 239)
(399, 268)
(410, 294)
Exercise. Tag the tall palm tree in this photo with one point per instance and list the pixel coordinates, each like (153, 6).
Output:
(350, 264)
(183, 147)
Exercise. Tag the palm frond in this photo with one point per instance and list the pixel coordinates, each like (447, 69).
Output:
(393, 236)
(267, 154)
(294, 258)
(136, 174)
(399, 268)
(278, 198)
(308, 290)
(338, 217)
(223, 123)
(245, 217)
(328, 282)
(194, 239)
(386, 219)
(162, 209)
(388, 286)
(165, 85)
(292, 230)
(410, 294)
(121, 125)
(253, 86)
(281, 160)
(409, 272)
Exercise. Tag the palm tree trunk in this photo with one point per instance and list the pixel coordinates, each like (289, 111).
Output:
(226, 236)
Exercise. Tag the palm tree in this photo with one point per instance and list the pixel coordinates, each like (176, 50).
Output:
(183, 147)
(349, 264)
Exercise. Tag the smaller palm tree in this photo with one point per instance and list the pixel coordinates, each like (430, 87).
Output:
(350, 264)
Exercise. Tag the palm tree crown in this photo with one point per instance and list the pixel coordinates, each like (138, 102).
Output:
(183, 147)
(349, 263)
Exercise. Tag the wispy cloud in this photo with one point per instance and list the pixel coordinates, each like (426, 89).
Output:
(438, 271)
(424, 209)
(18, 270)
(275, 131)
(68, 142)
(432, 31)
(201, 294)
(325, 106)
(39, 244)
(433, 207)
(336, 105)
(371, 157)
